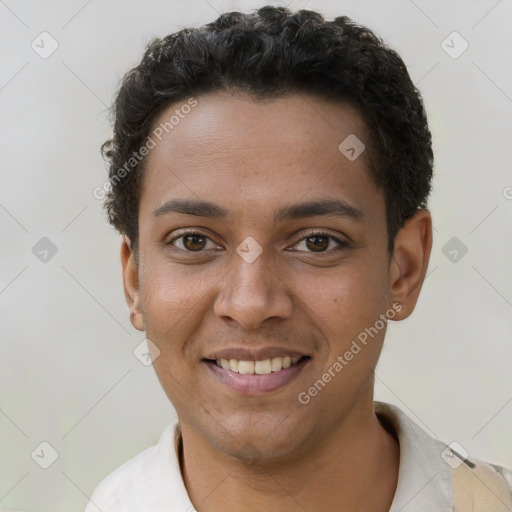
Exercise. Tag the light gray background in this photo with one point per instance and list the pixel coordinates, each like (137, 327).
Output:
(68, 375)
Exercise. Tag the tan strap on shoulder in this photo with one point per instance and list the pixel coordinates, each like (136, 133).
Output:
(479, 489)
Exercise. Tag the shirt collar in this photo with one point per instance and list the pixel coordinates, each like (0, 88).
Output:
(424, 479)
(152, 481)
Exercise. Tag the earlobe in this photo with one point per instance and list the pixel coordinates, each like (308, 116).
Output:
(409, 262)
(131, 284)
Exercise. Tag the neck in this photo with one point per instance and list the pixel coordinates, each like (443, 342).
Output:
(336, 474)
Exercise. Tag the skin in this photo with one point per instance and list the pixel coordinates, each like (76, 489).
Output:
(271, 452)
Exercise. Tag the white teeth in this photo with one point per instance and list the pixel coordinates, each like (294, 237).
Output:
(276, 364)
(257, 367)
(246, 367)
(262, 367)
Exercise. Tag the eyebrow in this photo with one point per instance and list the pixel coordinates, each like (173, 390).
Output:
(199, 208)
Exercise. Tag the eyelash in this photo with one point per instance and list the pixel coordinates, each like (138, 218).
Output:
(341, 243)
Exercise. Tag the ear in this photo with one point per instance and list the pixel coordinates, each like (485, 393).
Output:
(409, 262)
(131, 284)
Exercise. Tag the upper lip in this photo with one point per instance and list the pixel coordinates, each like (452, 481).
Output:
(242, 354)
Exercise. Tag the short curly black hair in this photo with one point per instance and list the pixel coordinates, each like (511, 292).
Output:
(269, 53)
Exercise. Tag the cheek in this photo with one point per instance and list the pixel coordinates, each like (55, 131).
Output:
(349, 317)
(348, 301)
(172, 304)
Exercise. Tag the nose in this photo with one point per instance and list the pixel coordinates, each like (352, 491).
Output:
(251, 293)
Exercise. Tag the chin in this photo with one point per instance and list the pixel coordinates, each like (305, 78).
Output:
(257, 441)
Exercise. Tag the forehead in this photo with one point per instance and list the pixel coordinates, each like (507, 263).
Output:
(246, 154)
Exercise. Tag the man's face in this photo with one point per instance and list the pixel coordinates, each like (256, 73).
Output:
(206, 291)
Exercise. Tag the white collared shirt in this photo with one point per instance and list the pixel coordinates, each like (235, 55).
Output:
(152, 482)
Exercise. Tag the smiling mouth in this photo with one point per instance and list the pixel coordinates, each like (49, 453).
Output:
(263, 367)
(252, 378)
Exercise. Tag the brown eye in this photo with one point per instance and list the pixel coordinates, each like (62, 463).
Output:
(191, 242)
(194, 242)
(317, 243)
(321, 243)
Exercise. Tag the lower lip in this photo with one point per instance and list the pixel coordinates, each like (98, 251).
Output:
(257, 384)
